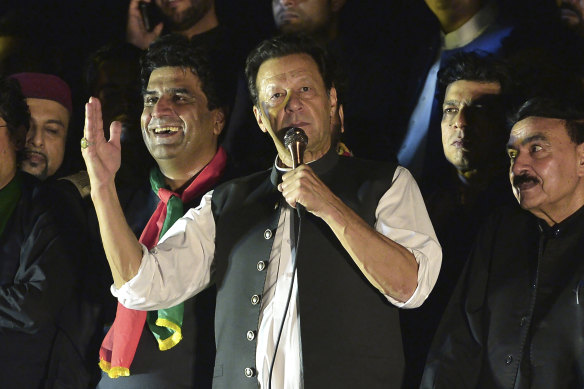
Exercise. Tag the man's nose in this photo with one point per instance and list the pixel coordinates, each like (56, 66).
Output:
(286, 3)
(162, 107)
(294, 103)
(35, 137)
(520, 164)
(460, 118)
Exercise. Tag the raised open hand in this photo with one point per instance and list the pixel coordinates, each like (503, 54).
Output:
(102, 157)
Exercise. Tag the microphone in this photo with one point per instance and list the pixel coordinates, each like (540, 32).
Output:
(295, 141)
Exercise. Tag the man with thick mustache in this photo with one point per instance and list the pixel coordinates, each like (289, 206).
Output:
(515, 319)
(366, 244)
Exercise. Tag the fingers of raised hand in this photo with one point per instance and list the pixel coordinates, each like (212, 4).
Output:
(93, 129)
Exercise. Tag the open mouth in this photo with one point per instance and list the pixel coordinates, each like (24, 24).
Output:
(166, 130)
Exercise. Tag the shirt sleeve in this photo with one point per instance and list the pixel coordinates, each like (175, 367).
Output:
(401, 216)
(178, 267)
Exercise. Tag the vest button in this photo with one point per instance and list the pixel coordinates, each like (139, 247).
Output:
(250, 335)
(267, 234)
(276, 205)
(261, 265)
(508, 359)
(249, 372)
(255, 299)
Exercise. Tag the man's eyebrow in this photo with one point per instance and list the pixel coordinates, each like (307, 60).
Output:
(179, 90)
(534, 137)
(450, 102)
(529, 139)
(168, 90)
(55, 121)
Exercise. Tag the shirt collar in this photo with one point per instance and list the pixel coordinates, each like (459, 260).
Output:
(472, 29)
(572, 222)
(320, 166)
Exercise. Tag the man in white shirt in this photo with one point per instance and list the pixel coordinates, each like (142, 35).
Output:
(366, 244)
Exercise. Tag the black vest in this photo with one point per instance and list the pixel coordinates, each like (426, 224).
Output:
(350, 333)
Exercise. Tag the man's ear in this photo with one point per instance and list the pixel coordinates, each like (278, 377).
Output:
(333, 100)
(580, 156)
(219, 121)
(259, 118)
(342, 117)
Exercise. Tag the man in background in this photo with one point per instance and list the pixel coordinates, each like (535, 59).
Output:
(49, 100)
(41, 250)
(474, 135)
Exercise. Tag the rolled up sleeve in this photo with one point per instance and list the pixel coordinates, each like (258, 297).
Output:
(401, 216)
(178, 267)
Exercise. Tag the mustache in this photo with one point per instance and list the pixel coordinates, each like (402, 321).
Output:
(524, 178)
(28, 152)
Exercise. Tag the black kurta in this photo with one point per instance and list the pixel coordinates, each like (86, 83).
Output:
(37, 279)
(516, 319)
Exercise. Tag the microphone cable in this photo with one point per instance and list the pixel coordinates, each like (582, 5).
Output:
(300, 213)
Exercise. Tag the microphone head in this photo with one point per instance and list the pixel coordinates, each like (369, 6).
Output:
(295, 135)
(295, 141)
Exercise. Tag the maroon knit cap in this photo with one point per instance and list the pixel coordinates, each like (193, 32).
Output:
(45, 86)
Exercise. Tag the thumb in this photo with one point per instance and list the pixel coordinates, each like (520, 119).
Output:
(115, 133)
(158, 29)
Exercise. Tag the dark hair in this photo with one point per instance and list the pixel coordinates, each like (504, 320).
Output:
(568, 109)
(13, 107)
(177, 51)
(115, 51)
(281, 46)
(474, 66)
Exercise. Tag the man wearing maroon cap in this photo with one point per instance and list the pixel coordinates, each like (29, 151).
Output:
(49, 100)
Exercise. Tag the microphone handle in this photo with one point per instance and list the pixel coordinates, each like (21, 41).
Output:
(297, 152)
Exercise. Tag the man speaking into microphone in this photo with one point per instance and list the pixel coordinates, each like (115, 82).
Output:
(320, 311)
